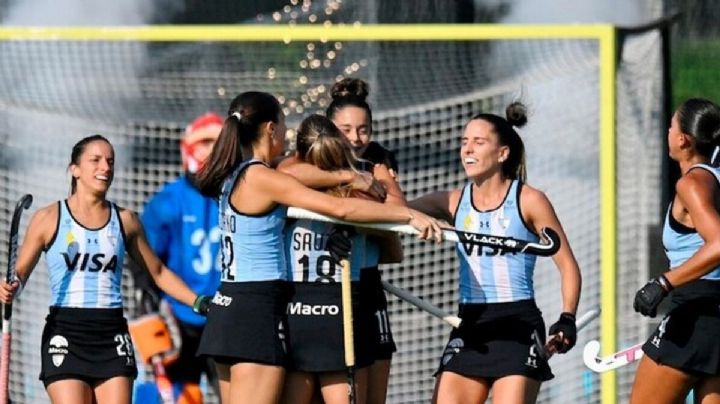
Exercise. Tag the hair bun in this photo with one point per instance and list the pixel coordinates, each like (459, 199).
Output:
(350, 88)
(516, 114)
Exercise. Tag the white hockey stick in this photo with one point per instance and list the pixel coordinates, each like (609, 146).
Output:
(422, 304)
(507, 244)
(610, 362)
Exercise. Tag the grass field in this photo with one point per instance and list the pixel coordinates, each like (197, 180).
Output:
(696, 70)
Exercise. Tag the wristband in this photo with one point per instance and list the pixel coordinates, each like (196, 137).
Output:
(665, 283)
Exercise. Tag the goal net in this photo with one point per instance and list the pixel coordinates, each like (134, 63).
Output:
(140, 87)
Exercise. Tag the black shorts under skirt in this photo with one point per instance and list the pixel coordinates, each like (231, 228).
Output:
(315, 328)
(372, 290)
(86, 344)
(688, 338)
(246, 323)
(496, 340)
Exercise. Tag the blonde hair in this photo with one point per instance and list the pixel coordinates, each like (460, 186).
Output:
(320, 143)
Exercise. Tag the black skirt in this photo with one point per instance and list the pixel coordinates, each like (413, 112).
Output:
(496, 340)
(86, 344)
(315, 328)
(247, 323)
(688, 338)
(373, 292)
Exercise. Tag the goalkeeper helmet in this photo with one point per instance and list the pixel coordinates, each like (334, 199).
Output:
(199, 138)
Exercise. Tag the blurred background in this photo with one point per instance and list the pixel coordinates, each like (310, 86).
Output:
(143, 94)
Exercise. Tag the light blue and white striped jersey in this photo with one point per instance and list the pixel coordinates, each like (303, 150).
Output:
(85, 265)
(252, 246)
(488, 275)
(682, 242)
(309, 261)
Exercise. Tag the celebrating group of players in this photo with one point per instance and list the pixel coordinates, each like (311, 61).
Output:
(257, 295)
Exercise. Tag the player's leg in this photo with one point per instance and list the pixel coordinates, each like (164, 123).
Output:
(378, 375)
(453, 388)
(255, 383)
(707, 391)
(515, 389)
(656, 383)
(70, 391)
(116, 390)
(223, 375)
(334, 386)
(298, 388)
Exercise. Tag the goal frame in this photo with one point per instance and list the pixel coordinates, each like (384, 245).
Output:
(604, 34)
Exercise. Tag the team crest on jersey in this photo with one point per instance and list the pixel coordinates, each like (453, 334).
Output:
(468, 223)
(57, 349)
(453, 348)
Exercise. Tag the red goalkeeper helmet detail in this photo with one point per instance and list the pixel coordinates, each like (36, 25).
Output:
(205, 127)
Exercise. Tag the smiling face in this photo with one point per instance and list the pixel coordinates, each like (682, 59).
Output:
(279, 131)
(95, 167)
(481, 153)
(354, 123)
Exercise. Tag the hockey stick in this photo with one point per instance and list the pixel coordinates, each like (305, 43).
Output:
(580, 323)
(610, 362)
(162, 381)
(22, 204)
(422, 304)
(348, 336)
(507, 244)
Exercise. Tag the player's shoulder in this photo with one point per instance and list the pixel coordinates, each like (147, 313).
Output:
(531, 195)
(48, 213)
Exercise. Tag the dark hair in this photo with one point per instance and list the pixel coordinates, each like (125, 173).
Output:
(349, 92)
(247, 112)
(700, 118)
(515, 117)
(78, 150)
(320, 143)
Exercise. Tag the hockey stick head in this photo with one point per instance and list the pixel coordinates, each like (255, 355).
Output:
(545, 249)
(23, 203)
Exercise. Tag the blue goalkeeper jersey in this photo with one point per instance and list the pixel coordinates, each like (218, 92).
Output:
(182, 228)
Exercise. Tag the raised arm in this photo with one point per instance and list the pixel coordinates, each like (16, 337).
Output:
(139, 250)
(284, 189)
(39, 232)
(441, 204)
(316, 178)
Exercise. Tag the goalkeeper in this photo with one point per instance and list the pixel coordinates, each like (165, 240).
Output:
(182, 228)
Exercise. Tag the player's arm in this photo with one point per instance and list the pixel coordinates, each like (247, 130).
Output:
(538, 212)
(316, 178)
(285, 189)
(441, 204)
(140, 251)
(391, 250)
(696, 192)
(37, 236)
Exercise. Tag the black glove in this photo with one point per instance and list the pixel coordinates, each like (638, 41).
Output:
(566, 326)
(202, 304)
(649, 296)
(339, 242)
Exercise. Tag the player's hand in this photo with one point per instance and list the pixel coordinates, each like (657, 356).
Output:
(365, 182)
(649, 296)
(8, 291)
(339, 242)
(563, 334)
(202, 304)
(429, 227)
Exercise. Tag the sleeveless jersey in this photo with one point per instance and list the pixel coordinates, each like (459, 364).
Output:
(309, 261)
(682, 242)
(85, 265)
(489, 275)
(252, 246)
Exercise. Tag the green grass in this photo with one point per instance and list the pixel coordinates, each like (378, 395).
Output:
(695, 70)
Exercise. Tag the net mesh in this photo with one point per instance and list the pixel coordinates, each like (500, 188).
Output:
(141, 95)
